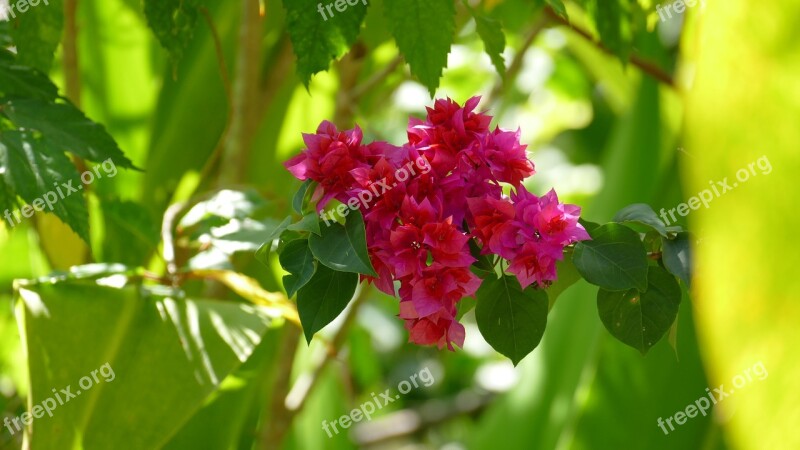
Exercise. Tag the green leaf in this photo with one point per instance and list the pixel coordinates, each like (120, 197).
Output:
(512, 320)
(567, 276)
(641, 214)
(298, 260)
(494, 40)
(309, 222)
(558, 7)
(612, 24)
(160, 349)
(173, 22)
(641, 319)
(321, 37)
(615, 258)
(21, 81)
(38, 173)
(677, 257)
(37, 34)
(424, 31)
(262, 254)
(324, 298)
(482, 267)
(344, 248)
(66, 128)
(300, 197)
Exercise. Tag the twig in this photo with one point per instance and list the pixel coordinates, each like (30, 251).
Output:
(244, 120)
(376, 79)
(304, 386)
(516, 64)
(167, 227)
(645, 66)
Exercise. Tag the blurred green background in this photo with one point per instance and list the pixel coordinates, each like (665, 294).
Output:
(649, 112)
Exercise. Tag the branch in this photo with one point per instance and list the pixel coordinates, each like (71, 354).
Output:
(293, 403)
(645, 66)
(516, 65)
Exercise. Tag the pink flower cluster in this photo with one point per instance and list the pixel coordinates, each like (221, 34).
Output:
(418, 232)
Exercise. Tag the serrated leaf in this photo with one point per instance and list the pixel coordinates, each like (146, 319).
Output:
(37, 34)
(300, 197)
(424, 31)
(615, 258)
(642, 214)
(494, 40)
(172, 22)
(344, 248)
(34, 169)
(309, 223)
(324, 298)
(318, 38)
(677, 257)
(298, 260)
(65, 127)
(512, 320)
(641, 319)
(20, 81)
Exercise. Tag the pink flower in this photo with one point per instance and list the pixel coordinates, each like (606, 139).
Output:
(506, 157)
(328, 160)
(536, 262)
(558, 222)
(494, 225)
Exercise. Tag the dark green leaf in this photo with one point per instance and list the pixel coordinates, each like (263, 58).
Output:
(37, 172)
(612, 21)
(558, 7)
(324, 298)
(641, 319)
(66, 128)
(262, 254)
(483, 266)
(615, 258)
(310, 223)
(642, 214)
(424, 31)
(494, 41)
(344, 248)
(21, 81)
(589, 226)
(677, 257)
(512, 320)
(300, 197)
(298, 260)
(172, 21)
(37, 34)
(318, 38)
(567, 276)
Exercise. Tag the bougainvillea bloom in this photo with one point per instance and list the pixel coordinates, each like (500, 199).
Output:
(420, 223)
